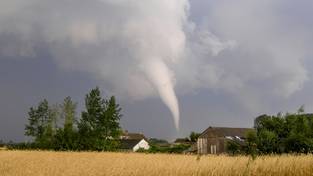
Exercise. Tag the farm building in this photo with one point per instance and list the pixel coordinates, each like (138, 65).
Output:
(213, 140)
(133, 141)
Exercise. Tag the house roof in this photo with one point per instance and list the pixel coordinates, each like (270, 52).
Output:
(224, 131)
(129, 143)
(127, 135)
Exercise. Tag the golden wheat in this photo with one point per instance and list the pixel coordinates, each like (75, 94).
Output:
(37, 163)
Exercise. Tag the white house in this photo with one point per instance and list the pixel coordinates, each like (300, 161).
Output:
(143, 144)
(133, 142)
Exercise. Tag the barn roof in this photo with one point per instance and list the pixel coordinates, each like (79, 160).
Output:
(224, 131)
(136, 136)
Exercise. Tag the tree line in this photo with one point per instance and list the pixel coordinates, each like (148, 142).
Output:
(57, 127)
(277, 134)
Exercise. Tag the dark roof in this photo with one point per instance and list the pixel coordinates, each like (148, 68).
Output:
(129, 143)
(127, 135)
(224, 131)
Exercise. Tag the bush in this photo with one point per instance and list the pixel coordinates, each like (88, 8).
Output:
(22, 146)
(233, 147)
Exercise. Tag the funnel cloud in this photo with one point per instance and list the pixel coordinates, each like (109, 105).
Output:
(159, 75)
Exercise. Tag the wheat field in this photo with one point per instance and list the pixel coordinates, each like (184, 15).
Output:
(39, 163)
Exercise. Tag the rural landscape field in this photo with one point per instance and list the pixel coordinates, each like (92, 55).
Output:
(29, 163)
(156, 88)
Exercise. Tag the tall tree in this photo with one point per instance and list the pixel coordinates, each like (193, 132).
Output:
(194, 136)
(40, 124)
(267, 141)
(88, 123)
(68, 112)
(290, 132)
(99, 126)
(112, 116)
(251, 143)
(66, 137)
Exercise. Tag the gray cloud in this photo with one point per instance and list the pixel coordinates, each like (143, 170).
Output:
(268, 60)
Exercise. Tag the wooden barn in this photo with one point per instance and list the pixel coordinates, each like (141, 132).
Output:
(213, 140)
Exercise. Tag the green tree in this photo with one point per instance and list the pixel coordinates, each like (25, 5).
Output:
(251, 143)
(301, 125)
(297, 142)
(110, 122)
(233, 147)
(88, 124)
(51, 126)
(300, 138)
(258, 121)
(37, 118)
(267, 141)
(277, 126)
(68, 113)
(66, 137)
(41, 124)
(194, 136)
(99, 126)
(290, 132)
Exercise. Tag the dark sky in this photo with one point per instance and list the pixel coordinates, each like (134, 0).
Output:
(232, 60)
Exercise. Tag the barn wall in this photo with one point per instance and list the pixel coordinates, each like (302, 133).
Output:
(202, 144)
(211, 145)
